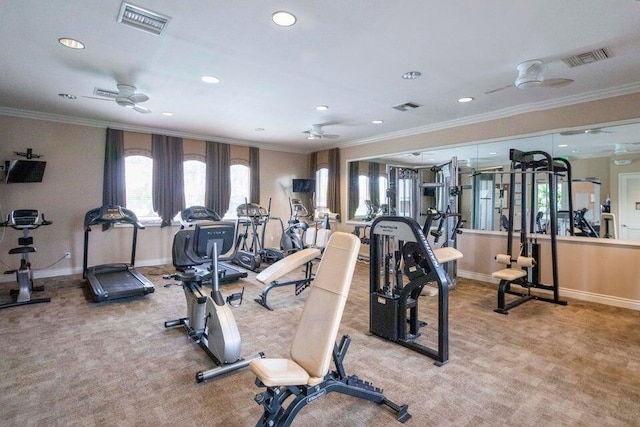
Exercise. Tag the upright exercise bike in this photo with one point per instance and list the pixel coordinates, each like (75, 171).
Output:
(24, 220)
(210, 321)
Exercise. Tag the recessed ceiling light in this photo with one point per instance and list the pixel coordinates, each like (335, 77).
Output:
(259, 129)
(283, 19)
(210, 79)
(322, 107)
(575, 151)
(411, 75)
(563, 145)
(465, 99)
(432, 160)
(71, 43)
(492, 153)
(377, 122)
(67, 96)
(167, 113)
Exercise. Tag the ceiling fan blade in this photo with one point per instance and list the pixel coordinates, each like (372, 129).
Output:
(139, 97)
(98, 98)
(497, 90)
(558, 82)
(324, 135)
(141, 109)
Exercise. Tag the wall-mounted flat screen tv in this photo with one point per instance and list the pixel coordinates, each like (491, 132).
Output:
(25, 171)
(304, 185)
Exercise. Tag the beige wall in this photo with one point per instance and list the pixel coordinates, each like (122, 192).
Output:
(72, 185)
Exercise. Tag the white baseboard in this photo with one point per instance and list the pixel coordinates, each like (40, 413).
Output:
(55, 272)
(566, 292)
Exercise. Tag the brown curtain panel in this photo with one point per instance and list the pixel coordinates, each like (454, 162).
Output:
(254, 167)
(168, 177)
(354, 188)
(113, 183)
(218, 188)
(374, 184)
(313, 165)
(333, 192)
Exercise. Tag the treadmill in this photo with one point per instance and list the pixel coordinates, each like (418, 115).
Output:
(112, 281)
(193, 243)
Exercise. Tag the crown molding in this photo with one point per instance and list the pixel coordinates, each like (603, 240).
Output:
(38, 115)
(479, 118)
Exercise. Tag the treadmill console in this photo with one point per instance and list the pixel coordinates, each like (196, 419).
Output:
(111, 214)
(199, 213)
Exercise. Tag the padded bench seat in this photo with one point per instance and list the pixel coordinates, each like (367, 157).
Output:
(509, 274)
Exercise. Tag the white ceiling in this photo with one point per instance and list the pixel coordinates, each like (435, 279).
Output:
(349, 55)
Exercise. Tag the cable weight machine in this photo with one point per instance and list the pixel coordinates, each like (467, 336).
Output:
(526, 271)
(399, 252)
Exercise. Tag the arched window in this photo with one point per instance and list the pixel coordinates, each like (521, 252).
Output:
(322, 187)
(195, 170)
(363, 194)
(240, 175)
(138, 166)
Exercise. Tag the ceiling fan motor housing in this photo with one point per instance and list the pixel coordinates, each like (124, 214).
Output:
(530, 74)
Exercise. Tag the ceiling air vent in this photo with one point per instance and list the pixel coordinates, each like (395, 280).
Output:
(587, 57)
(106, 93)
(142, 19)
(407, 106)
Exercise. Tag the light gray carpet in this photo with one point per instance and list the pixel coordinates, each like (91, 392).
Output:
(75, 363)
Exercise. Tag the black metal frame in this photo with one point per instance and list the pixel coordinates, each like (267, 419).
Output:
(527, 164)
(273, 398)
(389, 304)
(300, 285)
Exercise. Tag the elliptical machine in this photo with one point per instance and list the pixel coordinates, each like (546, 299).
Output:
(24, 220)
(292, 238)
(210, 322)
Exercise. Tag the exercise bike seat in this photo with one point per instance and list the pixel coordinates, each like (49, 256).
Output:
(22, 250)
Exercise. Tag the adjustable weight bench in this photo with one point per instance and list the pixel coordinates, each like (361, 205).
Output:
(305, 375)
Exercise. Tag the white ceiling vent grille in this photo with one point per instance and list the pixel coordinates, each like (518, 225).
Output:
(142, 19)
(407, 106)
(106, 93)
(587, 57)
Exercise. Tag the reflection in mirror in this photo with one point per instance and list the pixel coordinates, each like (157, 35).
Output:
(605, 165)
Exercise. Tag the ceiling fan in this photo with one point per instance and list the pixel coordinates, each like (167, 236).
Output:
(531, 74)
(592, 131)
(624, 148)
(316, 132)
(125, 97)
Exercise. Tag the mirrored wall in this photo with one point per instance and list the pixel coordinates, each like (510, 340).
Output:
(605, 178)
